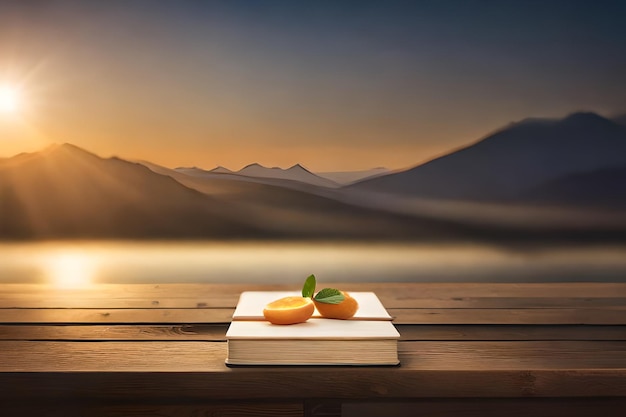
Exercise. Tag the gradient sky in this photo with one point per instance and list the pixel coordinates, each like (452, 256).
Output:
(333, 85)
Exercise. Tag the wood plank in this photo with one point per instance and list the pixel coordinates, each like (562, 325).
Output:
(492, 407)
(153, 408)
(101, 316)
(479, 407)
(471, 345)
(310, 383)
(490, 289)
(55, 300)
(480, 355)
(229, 293)
(154, 332)
(217, 332)
(66, 301)
(604, 316)
(202, 356)
(127, 295)
(567, 316)
(496, 332)
(506, 302)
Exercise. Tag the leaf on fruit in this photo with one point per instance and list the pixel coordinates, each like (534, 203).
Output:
(329, 296)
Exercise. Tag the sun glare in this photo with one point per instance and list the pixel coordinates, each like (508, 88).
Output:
(9, 99)
(70, 270)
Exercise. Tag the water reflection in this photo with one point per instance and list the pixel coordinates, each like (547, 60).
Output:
(70, 270)
(76, 264)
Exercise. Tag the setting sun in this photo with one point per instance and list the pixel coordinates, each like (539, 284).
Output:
(70, 270)
(9, 99)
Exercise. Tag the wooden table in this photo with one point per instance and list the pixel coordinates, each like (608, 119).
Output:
(466, 350)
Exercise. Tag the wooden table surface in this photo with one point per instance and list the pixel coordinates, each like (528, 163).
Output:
(465, 349)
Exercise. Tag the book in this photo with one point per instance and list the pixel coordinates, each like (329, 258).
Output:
(251, 304)
(314, 342)
(369, 338)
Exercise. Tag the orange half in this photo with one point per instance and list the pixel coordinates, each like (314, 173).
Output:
(344, 310)
(289, 310)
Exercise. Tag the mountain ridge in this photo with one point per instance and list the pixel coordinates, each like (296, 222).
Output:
(296, 172)
(67, 192)
(504, 164)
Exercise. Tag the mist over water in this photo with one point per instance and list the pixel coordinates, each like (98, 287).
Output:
(80, 263)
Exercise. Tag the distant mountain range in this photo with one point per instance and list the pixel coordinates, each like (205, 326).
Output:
(535, 154)
(571, 163)
(67, 192)
(295, 173)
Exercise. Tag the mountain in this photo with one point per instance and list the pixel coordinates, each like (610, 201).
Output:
(296, 177)
(295, 173)
(304, 211)
(348, 177)
(219, 170)
(604, 187)
(65, 191)
(506, 164)
(237, 178)
(620, 120)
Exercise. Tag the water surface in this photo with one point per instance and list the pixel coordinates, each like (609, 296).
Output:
(81, 263)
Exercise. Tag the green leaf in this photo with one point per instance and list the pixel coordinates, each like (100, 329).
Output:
(329, 296)
(308, 289)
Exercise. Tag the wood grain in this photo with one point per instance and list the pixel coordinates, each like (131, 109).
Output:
(228, 294)
(466, 349)
(101, 316)
(479, 407)
(199, 356)
(464, 332)
(217, 332)
(323, 382)
(129, 332)
(153, 408)
(568, 316)
(390, 300)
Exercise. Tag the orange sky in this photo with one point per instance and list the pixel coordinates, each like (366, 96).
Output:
(332, 86)
(195, 131)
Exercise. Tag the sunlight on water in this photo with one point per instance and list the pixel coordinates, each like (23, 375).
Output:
(76, 264)
(70, 270)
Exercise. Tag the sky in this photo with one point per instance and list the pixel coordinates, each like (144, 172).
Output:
(333, 85)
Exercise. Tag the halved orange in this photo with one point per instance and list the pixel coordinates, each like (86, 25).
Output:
(344, 310)
(289, 310)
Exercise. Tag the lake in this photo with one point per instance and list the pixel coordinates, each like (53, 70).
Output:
(75, 264)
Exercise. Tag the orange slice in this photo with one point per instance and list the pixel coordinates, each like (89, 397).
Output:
(289, 310)
(344, 310)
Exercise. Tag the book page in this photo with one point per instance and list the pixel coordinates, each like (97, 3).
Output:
(313, 329)
(252, 303)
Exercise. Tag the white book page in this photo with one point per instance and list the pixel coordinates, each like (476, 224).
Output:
(313, 329)
(252, 303)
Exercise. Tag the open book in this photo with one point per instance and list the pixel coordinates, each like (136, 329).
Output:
(367, 339)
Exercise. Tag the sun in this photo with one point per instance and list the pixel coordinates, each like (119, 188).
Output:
(71, 270)
(9, 99)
